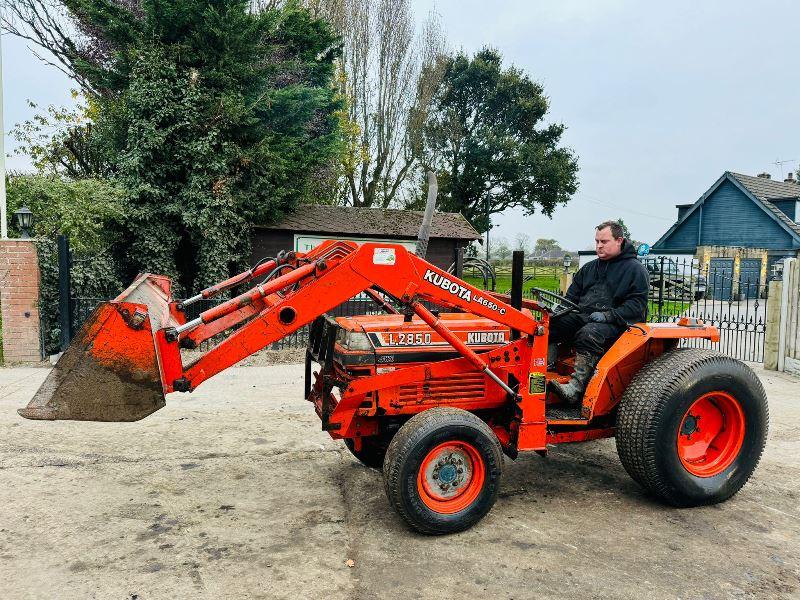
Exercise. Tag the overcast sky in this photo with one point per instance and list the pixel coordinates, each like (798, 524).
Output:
(659, 98)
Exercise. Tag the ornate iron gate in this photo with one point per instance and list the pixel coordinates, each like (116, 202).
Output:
(736, 306)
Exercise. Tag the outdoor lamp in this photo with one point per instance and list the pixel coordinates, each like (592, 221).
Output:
(23, 219)
(567, 262)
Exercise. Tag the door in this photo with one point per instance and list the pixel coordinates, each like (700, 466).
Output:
(720, 278)
(749, 277)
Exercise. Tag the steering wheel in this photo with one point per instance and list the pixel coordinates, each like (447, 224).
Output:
(550, 300)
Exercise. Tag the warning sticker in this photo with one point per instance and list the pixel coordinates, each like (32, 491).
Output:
(383, 256)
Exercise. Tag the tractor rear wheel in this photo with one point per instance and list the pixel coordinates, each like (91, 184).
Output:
(691, 426)
(372, 452)
(442, 470)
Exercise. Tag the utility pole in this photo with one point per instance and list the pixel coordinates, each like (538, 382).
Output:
(3, 208)
(488, 226)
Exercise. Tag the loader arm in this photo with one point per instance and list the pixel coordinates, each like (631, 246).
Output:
(298, 288)
(324, 284)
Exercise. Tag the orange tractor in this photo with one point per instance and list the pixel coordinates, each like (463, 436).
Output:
(433, 398)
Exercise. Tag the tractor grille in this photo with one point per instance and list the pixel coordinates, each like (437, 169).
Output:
(458, 388)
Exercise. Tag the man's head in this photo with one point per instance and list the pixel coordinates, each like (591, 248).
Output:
(608, 239)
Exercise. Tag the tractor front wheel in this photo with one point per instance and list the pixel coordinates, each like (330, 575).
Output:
(691, 426)
(442, 470)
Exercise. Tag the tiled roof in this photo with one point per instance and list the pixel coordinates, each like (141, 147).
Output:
(769, 189)
(781, 215)
(762, 189)
(351, 220)
(766, 189)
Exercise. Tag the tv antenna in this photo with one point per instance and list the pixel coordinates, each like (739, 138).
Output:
(779, 163)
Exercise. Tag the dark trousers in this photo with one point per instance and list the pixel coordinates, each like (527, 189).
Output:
(575, 329)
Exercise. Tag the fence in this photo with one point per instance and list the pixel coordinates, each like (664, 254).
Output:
(736, 306)
(360, 305)
(83, 307)
(545, 276)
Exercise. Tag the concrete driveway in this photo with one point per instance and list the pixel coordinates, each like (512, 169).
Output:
(234, 492)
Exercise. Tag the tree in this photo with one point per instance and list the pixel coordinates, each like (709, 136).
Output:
(60, 141)
(500, 249)
(387, 78)
(485, 136)
(627, 233)
(522, 241)
(213, 115)
(546, 248)
(89, 212)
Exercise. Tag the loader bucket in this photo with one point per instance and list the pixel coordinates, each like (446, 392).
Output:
(110, 371)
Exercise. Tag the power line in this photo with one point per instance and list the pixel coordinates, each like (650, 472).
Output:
(622, 208)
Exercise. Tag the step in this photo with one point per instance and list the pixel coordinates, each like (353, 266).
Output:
(563, 412)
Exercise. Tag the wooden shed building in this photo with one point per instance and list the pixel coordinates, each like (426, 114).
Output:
(310, 225)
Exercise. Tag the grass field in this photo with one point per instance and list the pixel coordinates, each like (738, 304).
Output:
(669, 308)
(504, 282)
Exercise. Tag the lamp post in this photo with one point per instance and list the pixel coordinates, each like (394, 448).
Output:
(566, 276)
(23, 219)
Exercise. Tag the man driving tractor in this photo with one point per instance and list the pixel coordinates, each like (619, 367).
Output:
(611, 293)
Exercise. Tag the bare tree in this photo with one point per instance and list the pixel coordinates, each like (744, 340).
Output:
(522, 241)
(387, 84)
(66, 38)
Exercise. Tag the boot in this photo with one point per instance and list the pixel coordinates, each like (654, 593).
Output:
(572, 392)
(552, 356)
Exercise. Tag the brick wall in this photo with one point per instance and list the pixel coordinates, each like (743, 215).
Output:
(19, 301)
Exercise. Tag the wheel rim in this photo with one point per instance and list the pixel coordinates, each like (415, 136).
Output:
(450, 477)
(711, 434)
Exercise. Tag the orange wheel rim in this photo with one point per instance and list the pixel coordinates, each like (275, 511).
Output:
(451, 477)
(711, 434)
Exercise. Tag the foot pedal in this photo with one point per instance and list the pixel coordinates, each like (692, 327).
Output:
(563, 412)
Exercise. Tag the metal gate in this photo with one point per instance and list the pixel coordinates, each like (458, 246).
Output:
(677, 289)
(682, 289)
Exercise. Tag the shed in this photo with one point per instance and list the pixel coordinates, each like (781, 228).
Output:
(310, 225)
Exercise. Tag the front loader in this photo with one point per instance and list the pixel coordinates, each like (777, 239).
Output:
(434, 397)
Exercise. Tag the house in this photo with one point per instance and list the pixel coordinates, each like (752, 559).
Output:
(310, 225)
(738, 228)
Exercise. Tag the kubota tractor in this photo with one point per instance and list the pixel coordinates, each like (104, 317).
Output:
(433, 398)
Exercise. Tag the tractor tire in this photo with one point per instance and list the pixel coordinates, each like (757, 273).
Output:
(442, 470)
(373, 450)
(691, 427)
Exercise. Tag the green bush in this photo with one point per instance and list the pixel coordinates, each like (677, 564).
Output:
(90, 213)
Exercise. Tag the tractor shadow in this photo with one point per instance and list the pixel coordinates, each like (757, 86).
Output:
(586, 476)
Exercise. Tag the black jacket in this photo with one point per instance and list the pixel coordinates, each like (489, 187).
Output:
(618, 286)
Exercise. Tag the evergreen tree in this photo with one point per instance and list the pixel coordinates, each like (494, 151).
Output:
(212, 116)
(486, 139)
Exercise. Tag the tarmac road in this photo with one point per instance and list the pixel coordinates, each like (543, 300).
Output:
(234, 492)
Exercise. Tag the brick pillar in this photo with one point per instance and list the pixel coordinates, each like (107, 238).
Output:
(19, 300)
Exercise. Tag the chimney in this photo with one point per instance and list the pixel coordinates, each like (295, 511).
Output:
(790, 178)
(764, 176)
